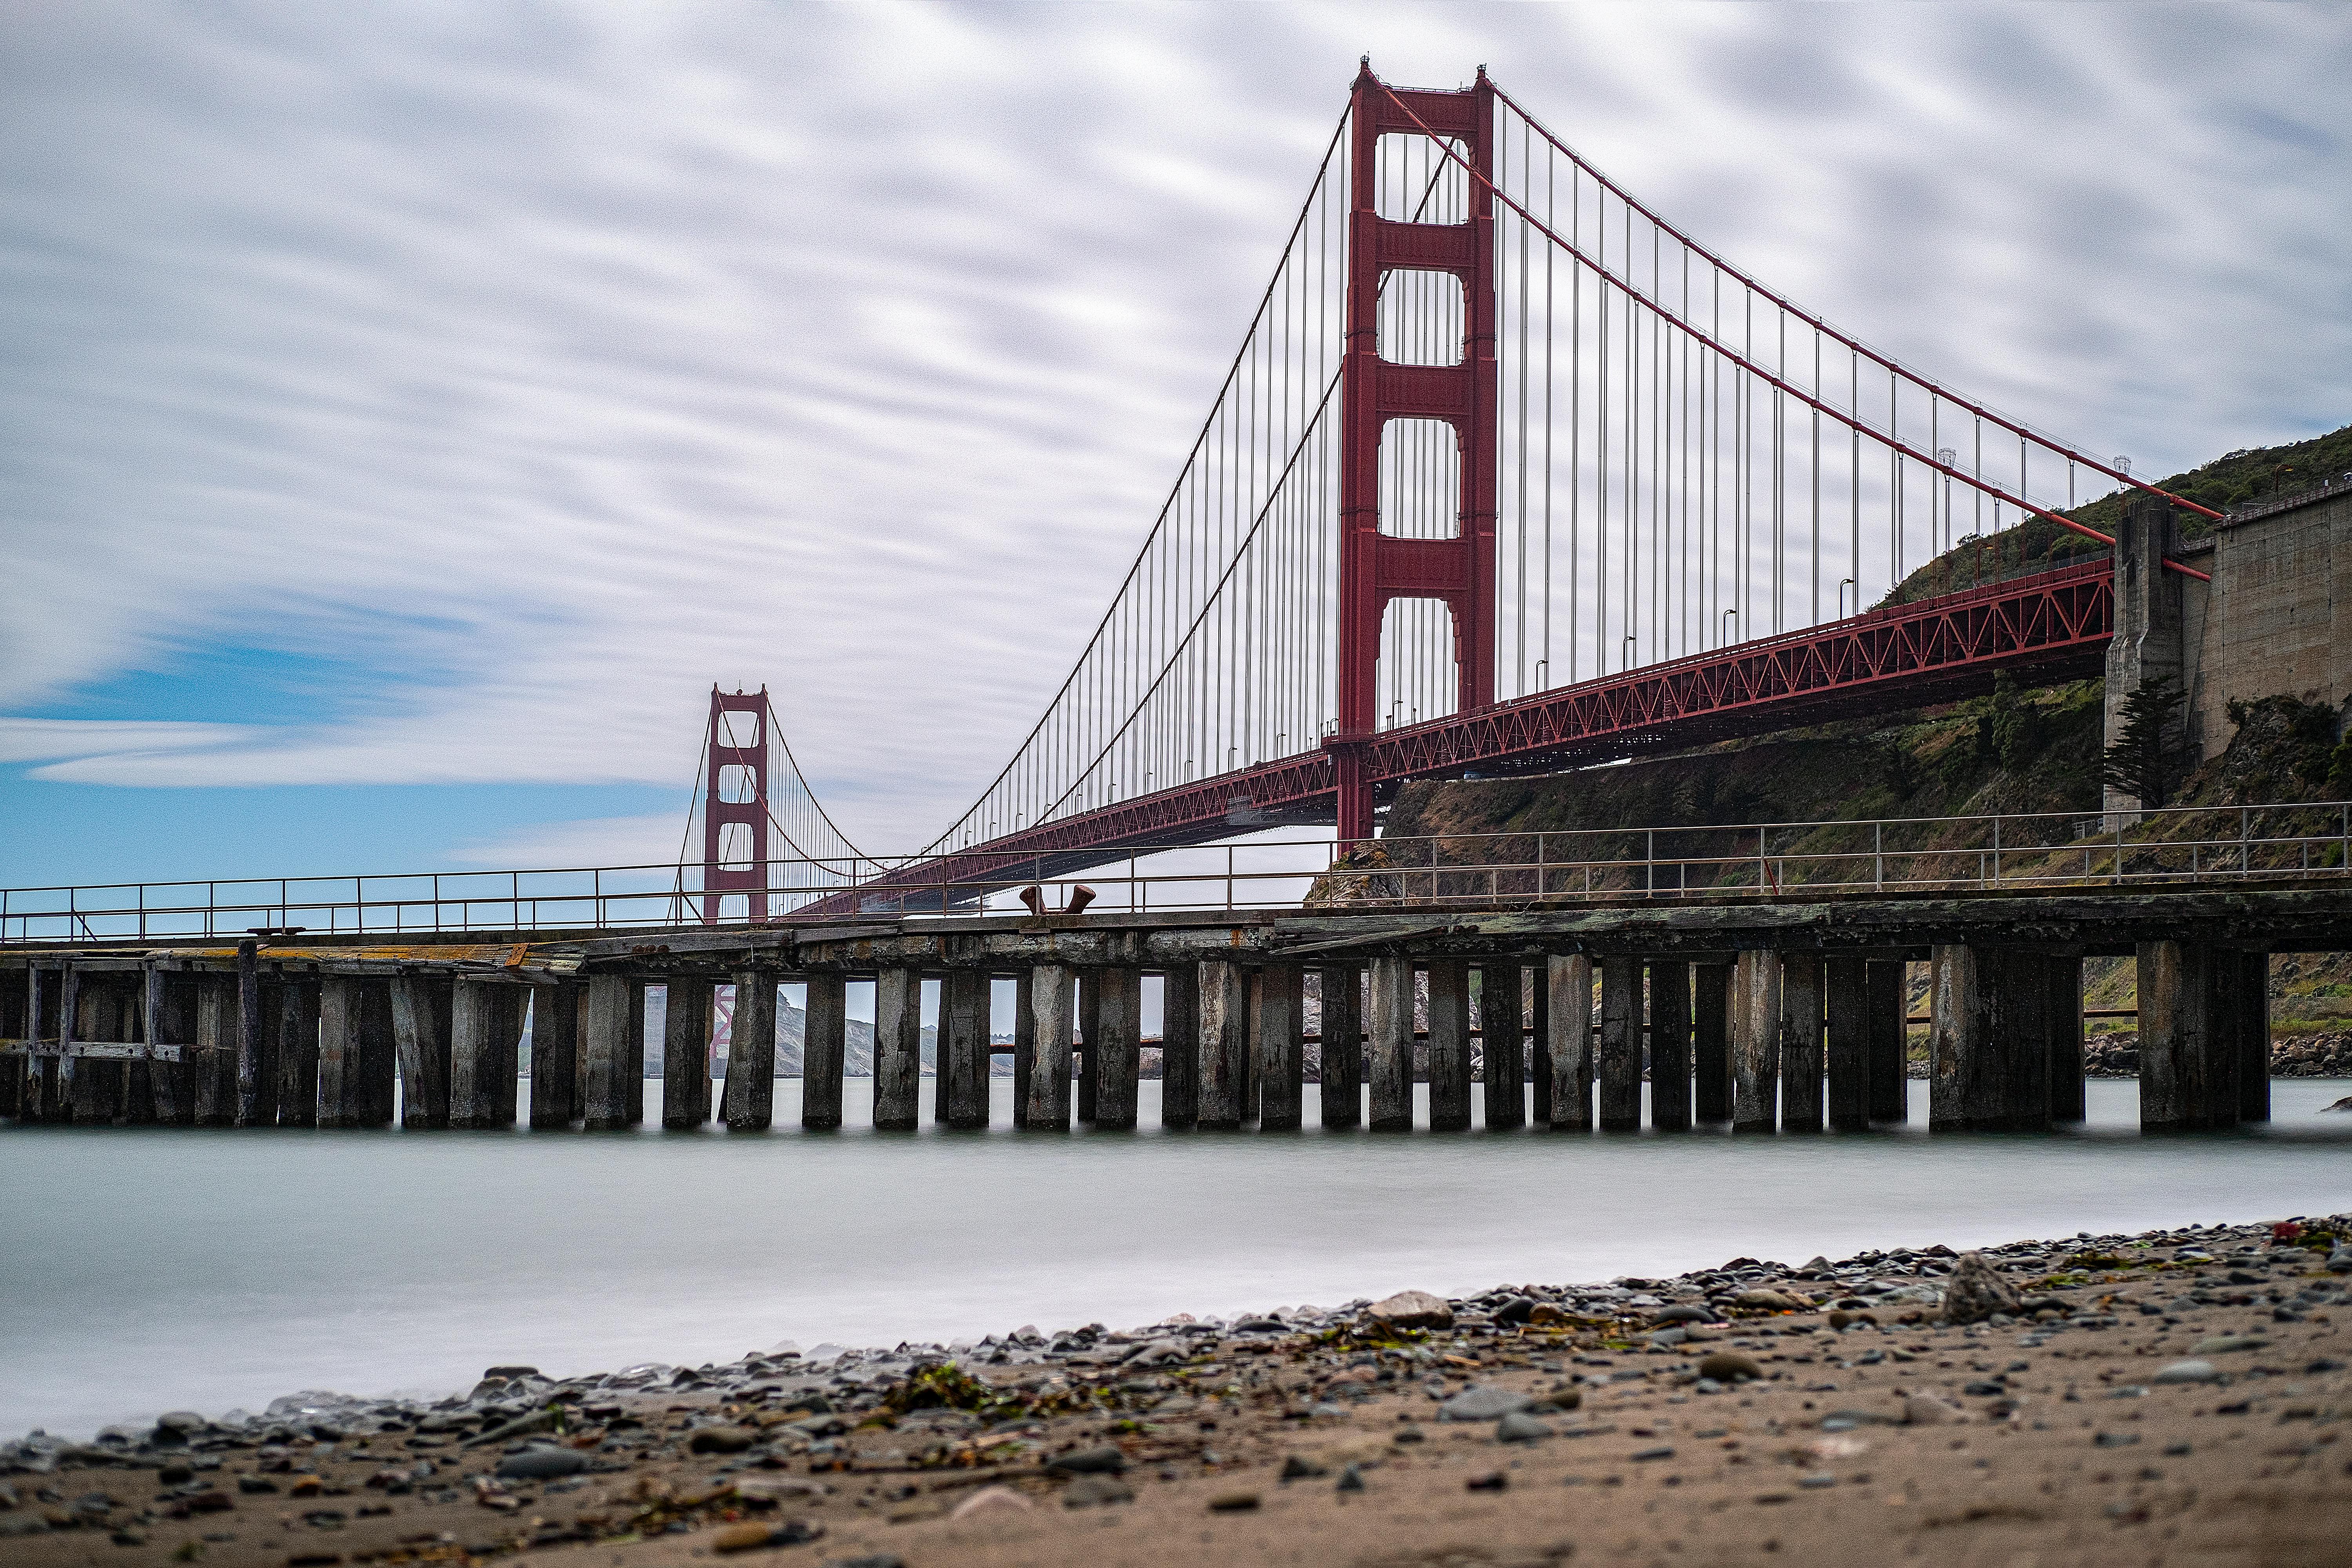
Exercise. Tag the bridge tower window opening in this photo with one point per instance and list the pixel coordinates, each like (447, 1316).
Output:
(1415, 181)
(1421, 480)
(1423, 317)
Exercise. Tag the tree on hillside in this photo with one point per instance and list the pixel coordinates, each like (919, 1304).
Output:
(2139, 763)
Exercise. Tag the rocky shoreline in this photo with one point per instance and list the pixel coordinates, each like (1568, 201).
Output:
(1755, 1386)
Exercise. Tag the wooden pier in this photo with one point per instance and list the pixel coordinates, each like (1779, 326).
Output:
(1758, 1013)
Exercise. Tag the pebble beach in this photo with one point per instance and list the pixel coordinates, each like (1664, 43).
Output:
(2171, 1394)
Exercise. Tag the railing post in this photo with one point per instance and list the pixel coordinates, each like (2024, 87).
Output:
(1996, 851)
(1878, 856)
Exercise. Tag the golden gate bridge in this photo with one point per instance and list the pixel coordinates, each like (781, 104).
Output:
(1507, 473)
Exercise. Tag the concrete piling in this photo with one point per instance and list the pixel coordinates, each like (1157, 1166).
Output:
(1053, 1009)
(898, 1049)
(616, 1012)
(1753, 1012)
(1670, 1046)
(1886, 988)
(1619, 1045)
(1801, 1020)
(1711, 1098)
(1502, 1033)
(423, 1025)
(1118, 1046)
(298, 1048)
(825, 1043)
(256, 1044)
(1090, 1028)
(963, 1049)
(748, 1104)
(1225, 1042)
(1339, 989)
(555, 1053)
(1567, 1040)
(1392, 1042)
(1449, 1044)
(1846, 1040)
(2067, 1099)
(214, 1067)
(482, 1030)
(1180, 1046)
(1281, 1048)
(686, 1054)
(2242, 1027)
(1024, 1043)
(1539, 1049)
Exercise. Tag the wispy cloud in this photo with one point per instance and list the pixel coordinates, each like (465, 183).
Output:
(549, 364)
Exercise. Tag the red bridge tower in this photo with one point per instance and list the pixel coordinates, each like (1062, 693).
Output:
(1376, 568)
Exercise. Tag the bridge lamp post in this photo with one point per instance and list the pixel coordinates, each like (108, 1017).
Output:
(1843, 584)
(1948, 456)
(1729, 616)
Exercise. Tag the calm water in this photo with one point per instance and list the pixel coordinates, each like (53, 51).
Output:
(143, 1270)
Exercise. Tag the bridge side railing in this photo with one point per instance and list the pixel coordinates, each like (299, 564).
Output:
(2175, 847)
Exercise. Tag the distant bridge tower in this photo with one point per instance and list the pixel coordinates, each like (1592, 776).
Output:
(735, 804)
(1377, 568)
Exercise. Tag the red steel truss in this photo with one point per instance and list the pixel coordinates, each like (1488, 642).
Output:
(2056, 624)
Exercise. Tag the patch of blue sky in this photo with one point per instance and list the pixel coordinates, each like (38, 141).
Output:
(236, 682)
(56, 833)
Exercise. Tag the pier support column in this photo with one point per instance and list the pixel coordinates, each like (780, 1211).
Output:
(1670, 1046)
(1886, 990)
(1846, 1013)
(297, 1052)
(1024, 1043)
(1501, 1031)
(1539, 1044)
(339, 1100)
(483, 1028)
(2176, 1050)
(555, 1055)
(96, 1084)
(12, 987)
(1988, 1039)
(1754, 1008)
(214, 1067)
(1449, 1045)
(1118, 1036)
(825, 1030)
(1281, 1050)
(686, 1054)
(2021, 1092)
(1180, 1046)
(162, 1024)
(1711, 1044)
(748, 1104)
(423, 1008)
(1391, 1032)
(1341, 1090)
(1225, 1042)
(898, 1049)
(1621, 1044)
(378, 1066)
(615, 1024)
(2240, 990)
(2064, 979)
(1957, 1015)
(1800, 1042)
(963, 1048)
(257, 1041)
(1090, 1044)
(1567, 1040)
(1053, 1009)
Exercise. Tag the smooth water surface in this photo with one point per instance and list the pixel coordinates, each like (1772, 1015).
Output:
(143, 1270)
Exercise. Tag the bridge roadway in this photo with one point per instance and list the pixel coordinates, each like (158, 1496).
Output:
(1780, 1011)
(2054, 624)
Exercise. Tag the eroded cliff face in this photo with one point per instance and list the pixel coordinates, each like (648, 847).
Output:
(2015, 750)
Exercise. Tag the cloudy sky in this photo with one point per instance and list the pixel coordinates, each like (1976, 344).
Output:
(408, 411)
